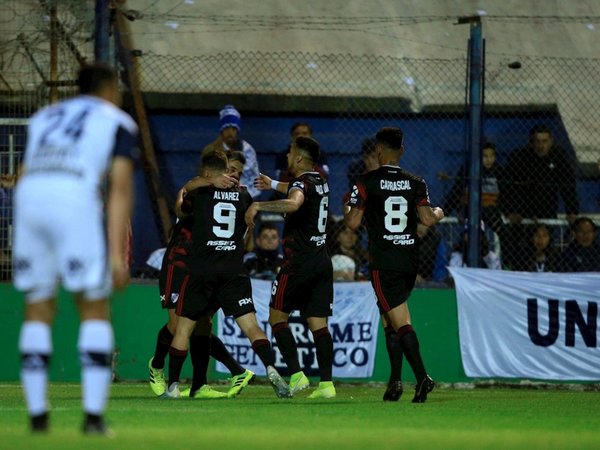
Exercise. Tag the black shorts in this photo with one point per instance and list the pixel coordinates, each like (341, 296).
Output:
(205, 294)
(171, 284)
(392, 287)
(309, 292)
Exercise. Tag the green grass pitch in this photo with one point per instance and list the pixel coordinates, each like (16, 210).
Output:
(357, 418)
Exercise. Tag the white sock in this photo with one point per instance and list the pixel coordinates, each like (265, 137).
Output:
(35, 345)
(95, 349)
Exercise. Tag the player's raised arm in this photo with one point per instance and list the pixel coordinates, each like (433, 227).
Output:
(179, 203)
(264, 183)
(285, 206)
(222, 181)
(354, 206)
(430, 216)
(352, 217)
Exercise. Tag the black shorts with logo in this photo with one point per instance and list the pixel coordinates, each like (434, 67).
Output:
(309, 292)
(207, 293)
(172, 284)
(392, 287)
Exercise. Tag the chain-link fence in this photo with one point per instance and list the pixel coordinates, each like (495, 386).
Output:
(345, 98)
(42, 45)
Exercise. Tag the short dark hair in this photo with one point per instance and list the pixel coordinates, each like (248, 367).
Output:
(581, 220)
(267, 226)
(310, 146)
(539, 128)
(236, 155)
(488, 144)
(214, 161)
(368, 146)
(298, 125)
(93, 78)
(391, 137)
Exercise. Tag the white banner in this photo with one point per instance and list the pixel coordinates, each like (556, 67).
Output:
(353, 327)
(528, 325)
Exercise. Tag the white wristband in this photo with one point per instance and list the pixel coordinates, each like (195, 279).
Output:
(274, 184)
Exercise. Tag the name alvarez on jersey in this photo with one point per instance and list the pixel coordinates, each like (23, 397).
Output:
(219, 229)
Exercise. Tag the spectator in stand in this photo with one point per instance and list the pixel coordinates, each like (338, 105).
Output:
(230, 126)
(491, 179)
(583, 253)
(265, 261)
(299, 129)
(344, 268)
(346, 241)
(535, 177)
(7, 184)
(432, 255)
(366, 163)
(543, 254)
(488, 259)
(154, 263)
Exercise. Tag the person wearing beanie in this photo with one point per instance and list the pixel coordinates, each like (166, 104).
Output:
(230, 126)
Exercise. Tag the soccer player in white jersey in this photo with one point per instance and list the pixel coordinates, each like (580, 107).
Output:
(60, 237)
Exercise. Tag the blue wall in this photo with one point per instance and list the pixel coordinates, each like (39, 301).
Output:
(433, 145)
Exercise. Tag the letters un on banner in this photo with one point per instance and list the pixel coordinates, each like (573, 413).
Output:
(528, 325)
(353, 327)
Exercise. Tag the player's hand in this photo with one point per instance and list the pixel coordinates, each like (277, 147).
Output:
(251, 214)
(439, 212)
(180, 195)
(223, 181)
(514, 218)
(120, 274)
(262, 182)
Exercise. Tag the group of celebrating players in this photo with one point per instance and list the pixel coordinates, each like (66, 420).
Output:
(202, 269)
(59, 238)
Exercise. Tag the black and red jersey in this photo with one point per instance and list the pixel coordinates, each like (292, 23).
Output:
(218, 230)
(180, 245)
(389, 197)
(304, 234)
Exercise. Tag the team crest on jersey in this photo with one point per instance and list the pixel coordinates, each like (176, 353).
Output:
(297, 184)
(174, 297)
(354, 195)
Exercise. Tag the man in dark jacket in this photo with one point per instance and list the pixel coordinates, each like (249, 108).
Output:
(536, 176)
(583, 254)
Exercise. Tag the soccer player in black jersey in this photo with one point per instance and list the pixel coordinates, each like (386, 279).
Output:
(393, 201)
(305, 281)
(216, 277)
(202, 342)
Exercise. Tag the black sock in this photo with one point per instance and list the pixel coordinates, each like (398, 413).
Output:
(262, 347)
(39, 423)
(93, 418)
(219, 352)
(163, 342)
(287, 345)
(410, 346)
(199, 353)
(324, 348)
(394, 350)
(176, 360)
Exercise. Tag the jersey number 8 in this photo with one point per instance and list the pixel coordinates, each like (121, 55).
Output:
(395, 214)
